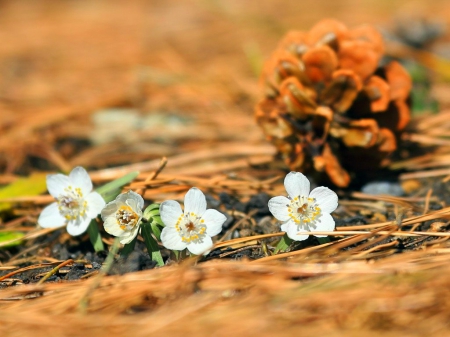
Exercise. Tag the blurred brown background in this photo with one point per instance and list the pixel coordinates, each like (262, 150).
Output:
(62, 61)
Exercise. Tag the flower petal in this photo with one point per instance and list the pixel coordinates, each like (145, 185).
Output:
(95, 204)
(78, 226)
(278, 206)
(171, 239)
(110, 210)
(292, 229)
(80, 178)
(129, 236)
(132, 203)
(326, 224)
(296, 184)
(326, 198)
(202, 247)
(112, 226)
(285, 226)
(56, 183)
(50, 217)
(170, 211)
(122, 198)
(137, 200)
(195, 202)
(213, 221)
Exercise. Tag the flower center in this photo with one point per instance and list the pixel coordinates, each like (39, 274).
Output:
(126, 218)
(71, 203)
(191, 228)
(304, 211)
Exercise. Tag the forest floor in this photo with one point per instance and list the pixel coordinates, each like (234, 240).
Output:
(117, 86)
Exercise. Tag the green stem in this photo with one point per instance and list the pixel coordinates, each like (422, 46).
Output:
(177, 254)
(84, 301)
(95, 237)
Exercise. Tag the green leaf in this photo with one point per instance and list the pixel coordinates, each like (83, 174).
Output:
(152, 245)
(284, 244)
(323, 240)
(156, 230)
(151, 211)
(112, 189)
(157, 219)
(10, 239)
(95, 237)
(35, 184)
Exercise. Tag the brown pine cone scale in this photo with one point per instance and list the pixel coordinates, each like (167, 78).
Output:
(329, 106)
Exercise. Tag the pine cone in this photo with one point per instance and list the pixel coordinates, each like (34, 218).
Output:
(328, 105)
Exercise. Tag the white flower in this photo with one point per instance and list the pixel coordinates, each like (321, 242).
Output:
(303, 213)
(192, 229)
(76, 204)
(122, 217)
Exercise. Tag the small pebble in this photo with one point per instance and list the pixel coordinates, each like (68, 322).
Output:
(383, 187)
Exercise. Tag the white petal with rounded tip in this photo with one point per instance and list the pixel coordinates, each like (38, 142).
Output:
(292, 233)
(50, 217)
(195, 201)
(80, 178)
(109, 210)
(112, 227)
(138, 198)
(123, 197)
(171, 239)
(132, 199)
(95, 204)
(278, 206)
(170, 211)
(326, 224)
(325, 198)
(131, 235)
(56, 183)
(132, 203)
(213, 221)
(201, 247)
(296, 184)
(285, 226)
(75, 228)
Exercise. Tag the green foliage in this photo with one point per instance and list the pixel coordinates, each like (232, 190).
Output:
(284, 244)
(422, 100)
(35, 184)
(151, 211)
(95, 237)
(151, 232)
(152, 244)
(10, 239)
(112, 189)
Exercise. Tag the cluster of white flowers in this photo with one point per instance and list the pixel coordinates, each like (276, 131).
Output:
(76, 205)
